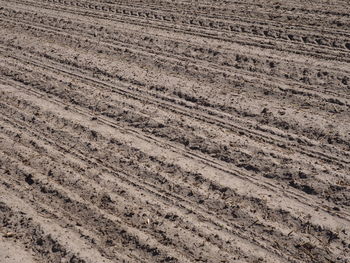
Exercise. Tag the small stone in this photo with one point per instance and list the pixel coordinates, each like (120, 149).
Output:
(9, 234)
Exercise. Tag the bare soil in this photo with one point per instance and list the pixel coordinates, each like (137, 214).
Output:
(174, 131)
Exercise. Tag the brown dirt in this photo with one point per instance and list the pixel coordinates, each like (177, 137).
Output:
(174, 131)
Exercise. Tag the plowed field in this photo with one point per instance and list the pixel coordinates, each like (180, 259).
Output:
(174, 131)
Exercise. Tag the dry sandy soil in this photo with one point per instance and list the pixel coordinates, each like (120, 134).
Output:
(174, 131)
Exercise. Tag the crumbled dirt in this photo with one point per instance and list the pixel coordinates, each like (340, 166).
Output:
(174, 131)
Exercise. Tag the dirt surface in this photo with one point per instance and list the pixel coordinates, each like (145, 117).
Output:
(174, 131)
